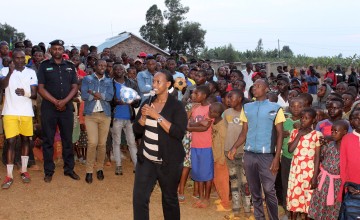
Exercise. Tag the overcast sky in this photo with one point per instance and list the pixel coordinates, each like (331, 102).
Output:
(311, 27)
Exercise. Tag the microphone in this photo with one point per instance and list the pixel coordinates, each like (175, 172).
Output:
(151, 95)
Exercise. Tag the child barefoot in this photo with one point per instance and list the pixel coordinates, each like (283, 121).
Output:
(323, 203)
(202, 160)
(305, 145)
(221, 173)
(292, 122)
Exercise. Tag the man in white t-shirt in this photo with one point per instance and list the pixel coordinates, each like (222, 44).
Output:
(20, 85)
(247, 73)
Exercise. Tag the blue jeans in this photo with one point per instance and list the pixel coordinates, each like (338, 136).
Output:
(118, 126)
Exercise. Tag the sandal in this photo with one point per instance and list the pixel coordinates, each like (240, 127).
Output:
(181, 198)
(196, 197)
(231, 217)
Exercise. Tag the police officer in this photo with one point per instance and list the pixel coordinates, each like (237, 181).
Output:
(57, 86)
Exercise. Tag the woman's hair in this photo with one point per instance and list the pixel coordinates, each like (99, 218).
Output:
(169, 77)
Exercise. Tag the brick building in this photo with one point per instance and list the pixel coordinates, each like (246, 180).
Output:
(131, 44)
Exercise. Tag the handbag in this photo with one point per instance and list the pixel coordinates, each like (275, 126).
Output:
(82, 143)
(350, 207)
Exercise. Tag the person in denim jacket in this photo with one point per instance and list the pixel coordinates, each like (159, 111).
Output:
(145, 78)
(97, 91)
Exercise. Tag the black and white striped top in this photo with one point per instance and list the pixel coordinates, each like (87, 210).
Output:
(151, 144)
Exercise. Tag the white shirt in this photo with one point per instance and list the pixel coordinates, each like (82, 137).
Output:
(14, 104)
(247, 79)
(98, 107)
(282, 102)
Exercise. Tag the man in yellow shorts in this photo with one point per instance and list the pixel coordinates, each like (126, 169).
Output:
(20, 84)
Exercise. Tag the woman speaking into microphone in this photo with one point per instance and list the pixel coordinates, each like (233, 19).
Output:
(162, 122)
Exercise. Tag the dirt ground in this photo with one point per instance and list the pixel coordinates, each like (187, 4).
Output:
(65, 198)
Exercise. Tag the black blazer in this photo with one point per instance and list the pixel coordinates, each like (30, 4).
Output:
(171, 149)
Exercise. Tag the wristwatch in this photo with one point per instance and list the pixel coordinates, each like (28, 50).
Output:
(159, 119)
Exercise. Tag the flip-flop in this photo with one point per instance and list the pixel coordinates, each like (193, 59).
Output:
(181, 198)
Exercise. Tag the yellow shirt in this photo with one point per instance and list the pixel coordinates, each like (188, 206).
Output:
(280, 117)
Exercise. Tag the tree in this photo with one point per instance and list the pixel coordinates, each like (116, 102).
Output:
(192, 38)
(177, 34)
(153, 30)
(8, 32)
(286, 52)
(175, 15)
(259, 50)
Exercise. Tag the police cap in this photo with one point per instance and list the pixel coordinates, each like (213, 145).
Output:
(57, 42)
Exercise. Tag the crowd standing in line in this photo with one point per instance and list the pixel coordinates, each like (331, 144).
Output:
(289, 139)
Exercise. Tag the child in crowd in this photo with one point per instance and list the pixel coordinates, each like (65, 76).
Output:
(283, 84)
(324, 204)
(293, 94)
(349, 100)
(292, 122)
(272, 96)
(221, 173)
(131, 73)
(335, 112)
(241, 85)
(349, 156)
(320, 115)
(304, 143)
(222, 86)
(187, 160)
(202, 160)
(307, 99)
(322, 94)
(239, 188)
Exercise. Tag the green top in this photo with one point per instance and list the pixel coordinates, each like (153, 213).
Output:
(288, 126)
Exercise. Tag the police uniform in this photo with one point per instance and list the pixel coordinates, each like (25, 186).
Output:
(58, 80)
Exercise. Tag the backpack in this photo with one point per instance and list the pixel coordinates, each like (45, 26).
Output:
(350, 207)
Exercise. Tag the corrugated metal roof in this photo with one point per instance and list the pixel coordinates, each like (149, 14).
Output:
(112, 41)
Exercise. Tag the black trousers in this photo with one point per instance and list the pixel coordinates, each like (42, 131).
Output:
(50, 118)
(146, 175)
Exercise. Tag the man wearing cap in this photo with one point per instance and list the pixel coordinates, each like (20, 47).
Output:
(57, 86)
(138, 63)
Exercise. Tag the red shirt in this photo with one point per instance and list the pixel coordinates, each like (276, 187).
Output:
(332, 76)
(81, 73)
(349, 160)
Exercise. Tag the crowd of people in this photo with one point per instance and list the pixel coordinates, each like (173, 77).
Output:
(290, 139)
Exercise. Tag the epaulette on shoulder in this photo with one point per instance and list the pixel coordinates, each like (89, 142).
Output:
(69, 61)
